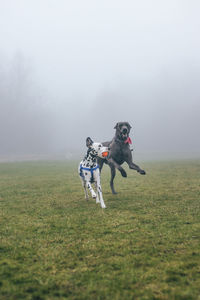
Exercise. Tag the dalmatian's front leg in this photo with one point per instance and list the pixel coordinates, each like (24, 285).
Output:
(97, 198)
(85, 189)
(99, 191)
(87, 178)
(89, 186)
(101, 196)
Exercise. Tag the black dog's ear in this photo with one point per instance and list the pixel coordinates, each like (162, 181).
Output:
(89, 142)
(129, 126)
(116, 126)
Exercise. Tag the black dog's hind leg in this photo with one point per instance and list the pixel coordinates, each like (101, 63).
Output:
(112, 169)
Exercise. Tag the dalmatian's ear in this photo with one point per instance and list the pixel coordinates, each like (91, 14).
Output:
(89, 142)
(116, 126)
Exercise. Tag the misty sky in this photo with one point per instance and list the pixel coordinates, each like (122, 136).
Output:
(72, 69)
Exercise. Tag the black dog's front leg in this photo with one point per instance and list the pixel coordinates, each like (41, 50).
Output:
(131, 165)
(117, 166)
(137, 168)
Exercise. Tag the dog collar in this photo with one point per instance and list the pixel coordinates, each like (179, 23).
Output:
(128, 141)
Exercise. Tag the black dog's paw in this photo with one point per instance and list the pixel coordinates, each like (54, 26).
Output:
(123, 172)
(142, 172)
(114, 193)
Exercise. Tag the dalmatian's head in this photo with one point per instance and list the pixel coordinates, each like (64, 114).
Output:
(96, 149)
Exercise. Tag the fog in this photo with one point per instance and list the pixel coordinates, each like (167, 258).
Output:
(72, 69)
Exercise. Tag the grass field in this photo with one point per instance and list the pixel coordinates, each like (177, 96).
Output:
(55, 245)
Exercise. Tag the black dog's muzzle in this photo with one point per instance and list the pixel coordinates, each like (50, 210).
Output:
(124, 133)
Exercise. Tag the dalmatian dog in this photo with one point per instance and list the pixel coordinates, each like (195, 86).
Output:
(89, 170)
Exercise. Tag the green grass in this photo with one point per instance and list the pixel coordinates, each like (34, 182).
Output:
(55, 245)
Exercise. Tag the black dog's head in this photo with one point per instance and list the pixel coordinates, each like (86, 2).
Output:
(122, 130)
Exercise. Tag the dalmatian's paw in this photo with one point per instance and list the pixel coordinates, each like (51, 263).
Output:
(94, 195)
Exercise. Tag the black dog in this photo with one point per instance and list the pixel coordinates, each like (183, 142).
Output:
(120, 152)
